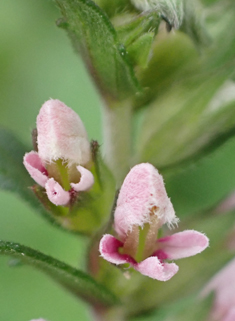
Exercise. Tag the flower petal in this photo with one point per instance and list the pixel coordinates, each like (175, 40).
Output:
(142, 191)
(230, 316)
(34, 166)
(223, 285)
(56, 194)
(150, 267)
(61, 134)
(109, 246)
(182, 244)
(154, 269)
(86, 180)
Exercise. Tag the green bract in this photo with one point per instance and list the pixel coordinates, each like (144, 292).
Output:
(95, 38)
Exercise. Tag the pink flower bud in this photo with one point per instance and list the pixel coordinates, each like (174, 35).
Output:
(61, 134)
(63, 150)
(141, 197)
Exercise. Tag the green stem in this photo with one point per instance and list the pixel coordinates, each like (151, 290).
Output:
(117, 138)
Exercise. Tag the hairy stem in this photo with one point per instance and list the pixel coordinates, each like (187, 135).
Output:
(117, 138)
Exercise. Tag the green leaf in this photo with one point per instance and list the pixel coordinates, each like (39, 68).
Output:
(13, 176)
(189, 111)
(95, 38)
(114, 7)
(137, 34)
(193, 24)
(193, 116)
(130, 28)
(77, 282)
(190, 308)
(172, 54)
(140, 50)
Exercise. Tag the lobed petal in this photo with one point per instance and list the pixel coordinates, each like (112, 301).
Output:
(61, 134)
(86, 180)
(109, 250)
(34, 166)
(153, 268)
(142, 191)
(56, 194)
(181, 245)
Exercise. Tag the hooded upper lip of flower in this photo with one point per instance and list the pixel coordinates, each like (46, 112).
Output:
(142, 208)
(223, 285)
(62, 138)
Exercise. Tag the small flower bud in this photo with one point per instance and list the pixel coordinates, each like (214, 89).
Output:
(61, 134)
(63, 150)
(141, 197)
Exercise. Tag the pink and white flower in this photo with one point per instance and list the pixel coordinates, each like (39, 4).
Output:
(223, 286)
(142, 208)
(63, 153)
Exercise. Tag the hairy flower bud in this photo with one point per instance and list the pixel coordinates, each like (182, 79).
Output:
(142, 197)
(61, 134)
(63, 151)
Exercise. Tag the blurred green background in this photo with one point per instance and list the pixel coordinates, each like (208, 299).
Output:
(37, 62)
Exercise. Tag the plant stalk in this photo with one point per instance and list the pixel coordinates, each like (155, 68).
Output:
(117, 138)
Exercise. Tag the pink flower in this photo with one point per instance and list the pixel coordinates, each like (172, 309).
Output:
(63, 151)
(142, 208)
(223, 285)
(38, 320)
